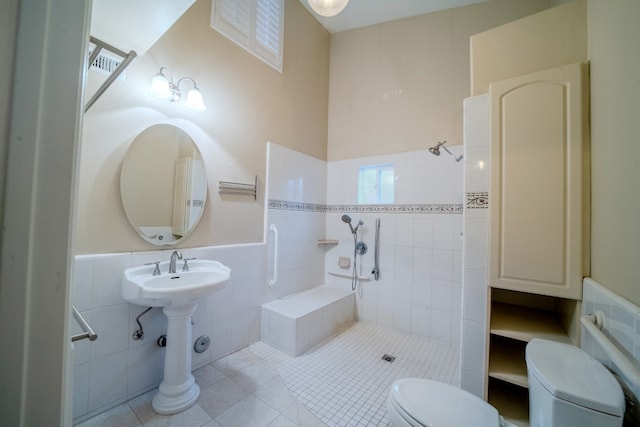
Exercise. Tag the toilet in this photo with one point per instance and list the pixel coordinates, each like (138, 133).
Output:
(567, 387)
(419, 402)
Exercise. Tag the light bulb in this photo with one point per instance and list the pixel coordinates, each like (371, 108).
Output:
(194, 100)
(160, 87)
(328, 8)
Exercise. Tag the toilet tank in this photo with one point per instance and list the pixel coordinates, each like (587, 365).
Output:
(568, 387)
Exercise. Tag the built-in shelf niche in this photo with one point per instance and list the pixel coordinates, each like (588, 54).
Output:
(515, 319)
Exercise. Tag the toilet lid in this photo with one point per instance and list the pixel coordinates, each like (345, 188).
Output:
(569, 373)
(435, 404)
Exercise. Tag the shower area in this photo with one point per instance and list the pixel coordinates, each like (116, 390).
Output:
(419, 251)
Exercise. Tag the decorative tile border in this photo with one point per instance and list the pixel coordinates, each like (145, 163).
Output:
(296, 206)
(394, 209)
(478, 200)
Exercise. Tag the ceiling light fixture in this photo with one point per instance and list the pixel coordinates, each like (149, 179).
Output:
(162, 87)
(328, 8)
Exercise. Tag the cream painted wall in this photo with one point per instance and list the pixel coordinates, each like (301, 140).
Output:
(614, 52)
(539, 42)
(399, 86)
(249, 103)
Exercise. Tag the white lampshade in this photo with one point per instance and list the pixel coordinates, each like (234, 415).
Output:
(194, 100)
(160, 87)
(328, 8)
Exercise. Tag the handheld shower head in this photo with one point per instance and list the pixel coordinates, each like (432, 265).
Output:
(347, 219)
(435, 150)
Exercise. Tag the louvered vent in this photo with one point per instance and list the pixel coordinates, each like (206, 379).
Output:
(106, 63)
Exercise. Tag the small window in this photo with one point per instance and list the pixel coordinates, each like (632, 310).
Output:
(376, 184)
(255, 25)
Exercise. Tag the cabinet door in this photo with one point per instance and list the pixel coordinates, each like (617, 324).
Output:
(539, 182)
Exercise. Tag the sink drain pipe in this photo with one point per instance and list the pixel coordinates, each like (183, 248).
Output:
(139, 334)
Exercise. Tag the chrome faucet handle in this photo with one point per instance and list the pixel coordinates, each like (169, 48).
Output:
(185, 266)
(156, 270)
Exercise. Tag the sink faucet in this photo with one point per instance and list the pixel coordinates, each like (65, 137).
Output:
(172, 263)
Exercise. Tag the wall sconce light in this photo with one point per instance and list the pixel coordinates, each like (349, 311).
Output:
(162, 87)
(328, 8)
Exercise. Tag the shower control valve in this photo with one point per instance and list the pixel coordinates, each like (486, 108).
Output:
(361, 247)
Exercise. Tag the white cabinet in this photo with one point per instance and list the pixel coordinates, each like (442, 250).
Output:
(540, 182)
(539, 223)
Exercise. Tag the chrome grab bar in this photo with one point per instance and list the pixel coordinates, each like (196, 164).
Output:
(376, 254)
(88, 331)
(273, 281)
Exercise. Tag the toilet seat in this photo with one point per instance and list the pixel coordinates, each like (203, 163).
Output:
(429, 403)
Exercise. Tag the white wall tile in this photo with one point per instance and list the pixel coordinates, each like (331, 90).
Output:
(421, 291)
(82, 290)
(477, 238)
(420, 321)
(220, 337)
(473, 346)
(441, 325)
(385, 311)
(443, 232)
(404, 230)
(442, 264)
(442, 295)
(473, 383)
(402, 315)
(145, 365)
(108, 380)
(422, 262)
(112, 326)
(423, 231)
(475, 295)
(107, 279)
(80, 390)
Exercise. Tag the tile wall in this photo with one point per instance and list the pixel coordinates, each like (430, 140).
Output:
(296, 190)
(622, 327)
(419, 290)
(475, 288)
(115, 367)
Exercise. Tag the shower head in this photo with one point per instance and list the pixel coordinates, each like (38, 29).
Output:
(435, 150)
(347, 219)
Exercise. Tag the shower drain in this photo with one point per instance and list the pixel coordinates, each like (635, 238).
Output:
(388, 358)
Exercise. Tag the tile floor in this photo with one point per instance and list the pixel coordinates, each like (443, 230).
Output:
(342, 382)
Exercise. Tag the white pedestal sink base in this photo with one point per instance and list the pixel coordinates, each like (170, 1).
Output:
(168, 402)
(178, 390)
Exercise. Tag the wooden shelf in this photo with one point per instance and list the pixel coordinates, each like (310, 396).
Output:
(507, 362)
(512, 402)
(524, 323)
(327, 242)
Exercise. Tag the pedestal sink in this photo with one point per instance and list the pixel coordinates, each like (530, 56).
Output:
(177, 294)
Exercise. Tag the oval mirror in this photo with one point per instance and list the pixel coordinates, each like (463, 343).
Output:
(163, 184)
